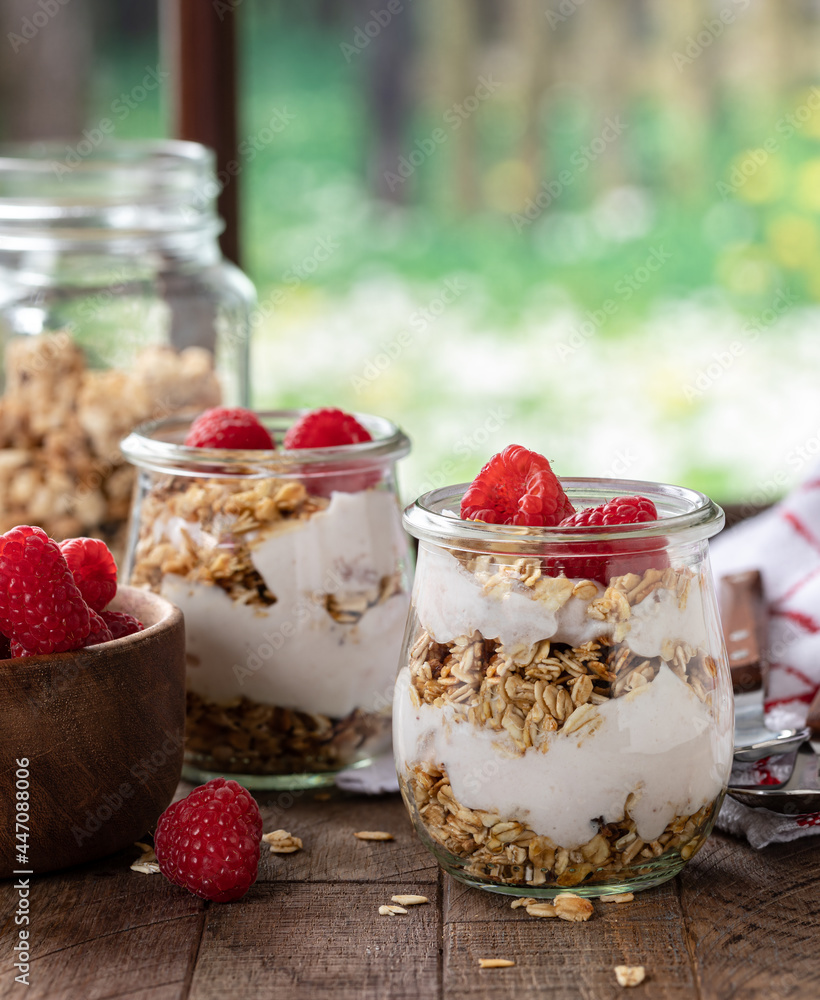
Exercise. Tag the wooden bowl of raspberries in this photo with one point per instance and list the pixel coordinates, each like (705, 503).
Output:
(92, 697)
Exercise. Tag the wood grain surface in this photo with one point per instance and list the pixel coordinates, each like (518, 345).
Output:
(103, 730)
(737, 923)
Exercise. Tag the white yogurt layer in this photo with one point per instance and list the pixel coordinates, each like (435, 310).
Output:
(659, 742)
(293, 653)
(451, 601)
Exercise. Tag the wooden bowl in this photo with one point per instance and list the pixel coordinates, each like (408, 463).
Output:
(102, 731)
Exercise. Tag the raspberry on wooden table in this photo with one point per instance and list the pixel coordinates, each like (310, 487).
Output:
(230, 428)
(208, 842)
(94, 569)
(516, 486)
(121, 624)
(41, 607)
(326, 428)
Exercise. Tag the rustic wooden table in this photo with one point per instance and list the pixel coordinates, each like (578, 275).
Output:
(737, 923)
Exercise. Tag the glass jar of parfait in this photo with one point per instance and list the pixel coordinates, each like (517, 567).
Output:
(291, 566)
(563, 713)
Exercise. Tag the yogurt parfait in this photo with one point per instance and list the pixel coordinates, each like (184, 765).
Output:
(563, 711)
(286, 553)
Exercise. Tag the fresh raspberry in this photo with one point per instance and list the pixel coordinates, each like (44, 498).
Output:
(209, 842)
(603, 560)
(331, 428)
(41, 606)
(229, 427)
(94, 569)
(121, 624)
(5, 648)
(619, 510)
(327, 428)
(100, 632)
(516, 487)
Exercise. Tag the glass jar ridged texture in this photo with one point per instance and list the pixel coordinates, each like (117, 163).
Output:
(292, 571)
(563, 714)
(116, 307)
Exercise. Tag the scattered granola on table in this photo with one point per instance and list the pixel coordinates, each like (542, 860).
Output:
(282, 842)
(147, 863)
(630, 975)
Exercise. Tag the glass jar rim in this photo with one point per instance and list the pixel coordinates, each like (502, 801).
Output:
(119, 189)
(685, 515)
(157, 446)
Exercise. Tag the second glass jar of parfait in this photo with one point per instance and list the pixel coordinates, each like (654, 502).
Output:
(292, 570)
(563, 713)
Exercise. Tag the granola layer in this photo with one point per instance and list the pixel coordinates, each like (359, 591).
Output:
(554, 735)
(534, 690)
(246, 737)
(504, 849)
(295, 606)
(218, 523)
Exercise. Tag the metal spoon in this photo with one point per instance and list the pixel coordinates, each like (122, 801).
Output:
(798, 796)
(744, 622)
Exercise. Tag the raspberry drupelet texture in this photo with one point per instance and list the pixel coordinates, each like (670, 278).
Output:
(231, 428)
(516, 486)
(121, 624)
(94, 569)
(100, 632)
(601, 560)
(619, 510)
(208, 842)
(41, 607)
(326, 428)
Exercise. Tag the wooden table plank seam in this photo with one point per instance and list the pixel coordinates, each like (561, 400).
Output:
(688, 938)
(191, 970)
(41, 956)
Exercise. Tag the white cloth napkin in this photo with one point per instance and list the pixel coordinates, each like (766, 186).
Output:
(377, 779)
(784, 544)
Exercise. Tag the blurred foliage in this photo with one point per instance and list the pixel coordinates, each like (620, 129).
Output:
(601, 325)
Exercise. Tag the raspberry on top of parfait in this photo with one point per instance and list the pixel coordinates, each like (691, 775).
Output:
(516, 486)
(229, 427)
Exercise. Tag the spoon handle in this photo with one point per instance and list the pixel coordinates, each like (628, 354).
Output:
(813, 719)
(744, 626)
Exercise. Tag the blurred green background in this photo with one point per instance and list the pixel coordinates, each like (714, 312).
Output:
(586, 226)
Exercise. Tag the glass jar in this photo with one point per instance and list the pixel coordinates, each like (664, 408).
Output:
(563, 713)
(292, 571)
(116, 308)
